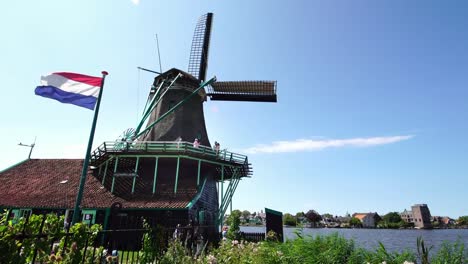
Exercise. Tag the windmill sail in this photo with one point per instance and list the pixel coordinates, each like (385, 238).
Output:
(198, 62)
(253, 91)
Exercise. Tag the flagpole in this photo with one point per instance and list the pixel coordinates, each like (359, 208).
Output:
(84, 171)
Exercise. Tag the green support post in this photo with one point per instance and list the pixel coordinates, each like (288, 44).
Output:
(150, 103)
(229, 194)
(155, 174)
(177, 175)
(106, 218)
(198, 174)
(222, 183)
(105, 172)
(105, 225)
(134, 177)
(113, 177)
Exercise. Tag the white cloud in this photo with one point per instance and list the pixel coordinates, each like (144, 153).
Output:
(135, 2)
(300, 145)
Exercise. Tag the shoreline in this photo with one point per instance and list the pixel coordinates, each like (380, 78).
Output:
(375, 228)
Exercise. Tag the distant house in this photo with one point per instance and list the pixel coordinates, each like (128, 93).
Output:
(343, 220)
(419, 215)
(447, 221)
(368, 220)
(444, 221)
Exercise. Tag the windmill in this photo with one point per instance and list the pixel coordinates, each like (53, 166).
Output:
(156, 164)
(195, 81)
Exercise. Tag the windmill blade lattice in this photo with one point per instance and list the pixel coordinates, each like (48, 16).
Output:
(252, 91)
(198, 62)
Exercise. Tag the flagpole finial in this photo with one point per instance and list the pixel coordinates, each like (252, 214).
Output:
(104, 73)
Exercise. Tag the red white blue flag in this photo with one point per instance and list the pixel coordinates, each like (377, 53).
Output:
(70, 88)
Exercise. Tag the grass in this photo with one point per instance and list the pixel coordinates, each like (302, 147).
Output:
(333, 249)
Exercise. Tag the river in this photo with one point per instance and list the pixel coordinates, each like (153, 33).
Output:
(393, 239)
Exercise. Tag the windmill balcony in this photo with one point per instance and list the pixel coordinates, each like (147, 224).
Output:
(181, 149)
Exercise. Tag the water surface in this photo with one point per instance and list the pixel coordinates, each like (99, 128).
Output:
(393, 240)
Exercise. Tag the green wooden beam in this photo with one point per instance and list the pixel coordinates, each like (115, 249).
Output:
(222, 181)
(198, 173)
(177, 175)
(176, 156)
(197, 196)
(155, 174)
(106, 218)
(134, 177)
(154, 102)
(228, 197)
(105, 173)
(149, 103)
(115, 170)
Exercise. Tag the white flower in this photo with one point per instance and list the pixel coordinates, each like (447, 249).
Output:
(408, 262)
(212, 259)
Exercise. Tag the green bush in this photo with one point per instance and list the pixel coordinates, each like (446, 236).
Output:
(321, 249)
(11, 244)
(234, 222)
(304, 249)
(451, 253)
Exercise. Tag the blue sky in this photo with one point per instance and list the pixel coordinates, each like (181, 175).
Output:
(371, 112)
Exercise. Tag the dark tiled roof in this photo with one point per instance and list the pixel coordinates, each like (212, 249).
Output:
(36, 184)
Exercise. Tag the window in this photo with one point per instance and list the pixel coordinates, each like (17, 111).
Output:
(25, 213)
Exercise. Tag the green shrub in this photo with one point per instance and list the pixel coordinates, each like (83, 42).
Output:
(234, 222)
(451, 253)
(52, 225)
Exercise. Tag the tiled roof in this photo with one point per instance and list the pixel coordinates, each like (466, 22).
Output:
(53, 183)
(360, 216)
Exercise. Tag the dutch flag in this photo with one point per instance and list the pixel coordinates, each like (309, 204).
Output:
(70, 88)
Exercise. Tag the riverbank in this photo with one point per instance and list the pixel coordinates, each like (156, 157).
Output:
(393, 239)
(338, 227)
(320, 249)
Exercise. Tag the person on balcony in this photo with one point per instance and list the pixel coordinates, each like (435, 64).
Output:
(196, 143)
(178, 140)
(216, 147)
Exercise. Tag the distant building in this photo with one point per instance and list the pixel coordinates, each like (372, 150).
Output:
(444, 221)
(368, 220)
(407, 216)
(419, 215)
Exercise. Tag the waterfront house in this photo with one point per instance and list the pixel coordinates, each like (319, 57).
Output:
(443, 221)
(368, 220)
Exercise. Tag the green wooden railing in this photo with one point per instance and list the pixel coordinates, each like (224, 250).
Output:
(166, 147)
